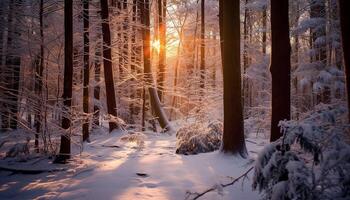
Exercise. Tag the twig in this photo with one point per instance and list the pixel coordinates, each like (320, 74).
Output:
(222, 185)
(111, 146)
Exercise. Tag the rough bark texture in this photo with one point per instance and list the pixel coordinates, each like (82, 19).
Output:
(280, 65)
(154, 99)
(86, 69)
(107, 64)
(344, 7)
(68, 80)
(233, 136)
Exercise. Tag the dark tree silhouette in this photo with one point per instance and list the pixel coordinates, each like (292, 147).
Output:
(68, 81)
(344, 7)
(280, 65)
(86, 69)
(233, 136)
(107, 64)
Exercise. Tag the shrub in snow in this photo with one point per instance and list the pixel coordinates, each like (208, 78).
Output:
(136, 137)
(19, 148)
(311, 160)
(196, 138)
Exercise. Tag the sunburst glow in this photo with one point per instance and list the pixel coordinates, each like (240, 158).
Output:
(155, 45)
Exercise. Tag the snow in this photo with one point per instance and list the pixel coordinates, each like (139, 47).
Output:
(109, 168)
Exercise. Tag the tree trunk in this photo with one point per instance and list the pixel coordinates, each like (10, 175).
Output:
(344, 7)
(86, 70)
(68, 81)
(97, 88)
(233, 136)
(154, 99)
(107, 64)
(12, 71)
(202, 65)
(264, 19)
(280, 65)
(39, 67)
(162, 50)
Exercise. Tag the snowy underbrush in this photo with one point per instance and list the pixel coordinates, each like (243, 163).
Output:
(134, 137)
(310, 161)
(198, 138)
(257, 123)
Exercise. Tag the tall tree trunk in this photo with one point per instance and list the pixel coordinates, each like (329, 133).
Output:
(97, 64)
(162, 50)
(154, 99)
(39, 68)
(12, 71)
(280, 65)
(107, 64)
(245, 56)
(221, 17)
(264, 20)
(86, 70)
(68, 81)
(202, 64)
(233, 136)
(344, 7)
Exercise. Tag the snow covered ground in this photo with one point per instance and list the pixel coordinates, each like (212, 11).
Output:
(111, 169)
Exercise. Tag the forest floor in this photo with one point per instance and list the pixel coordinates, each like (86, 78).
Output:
(111, 169)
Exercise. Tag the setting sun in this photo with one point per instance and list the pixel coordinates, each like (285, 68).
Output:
(155, 45)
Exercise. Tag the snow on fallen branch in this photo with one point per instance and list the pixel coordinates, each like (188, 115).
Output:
(196, 195)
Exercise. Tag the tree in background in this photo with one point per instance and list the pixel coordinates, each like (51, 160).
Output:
(233, 136)
(154, 99)
(162, 48)
(202, 64)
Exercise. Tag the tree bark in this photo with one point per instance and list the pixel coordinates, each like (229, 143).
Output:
(280, 65)
(233, 136)
(344, 7)
(107, 64)
(68, 81)
(86, 70)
